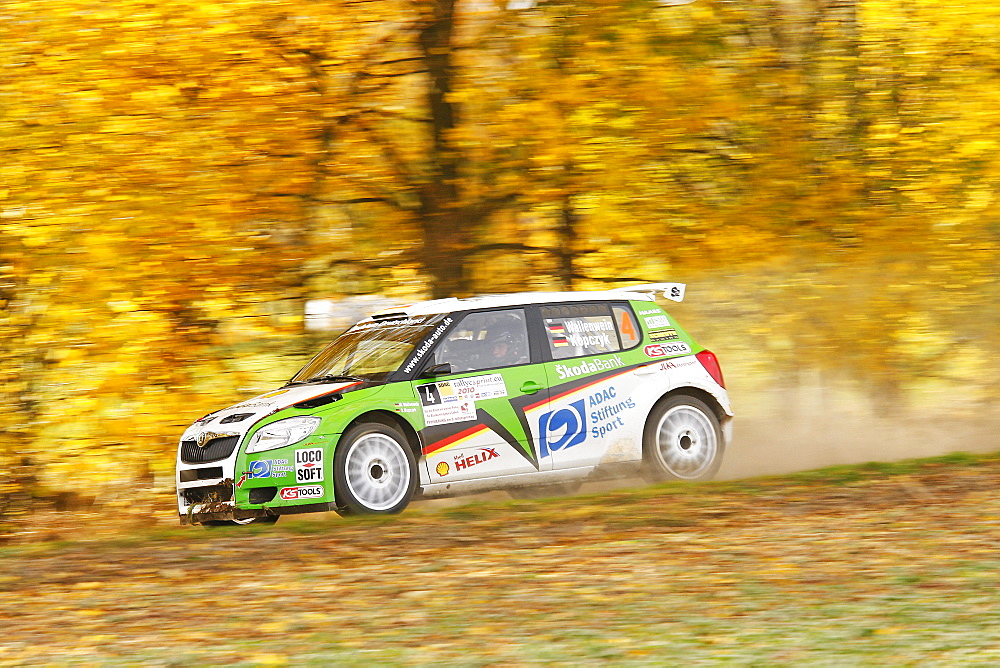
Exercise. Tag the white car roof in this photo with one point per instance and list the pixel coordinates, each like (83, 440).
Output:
(645, 292)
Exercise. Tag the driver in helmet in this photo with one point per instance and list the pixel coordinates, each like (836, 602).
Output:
(504, 349)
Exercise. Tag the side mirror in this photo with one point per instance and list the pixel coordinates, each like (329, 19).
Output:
(436, 370)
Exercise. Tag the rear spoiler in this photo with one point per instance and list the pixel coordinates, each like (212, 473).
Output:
(671, 291)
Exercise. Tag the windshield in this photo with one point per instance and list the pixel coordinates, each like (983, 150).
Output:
(368, 351)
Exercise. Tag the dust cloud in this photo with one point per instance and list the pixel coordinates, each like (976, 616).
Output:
(772, 445)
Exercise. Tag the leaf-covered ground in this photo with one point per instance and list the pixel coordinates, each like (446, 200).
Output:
(867, 565)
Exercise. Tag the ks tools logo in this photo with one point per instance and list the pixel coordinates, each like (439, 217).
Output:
(562, 428)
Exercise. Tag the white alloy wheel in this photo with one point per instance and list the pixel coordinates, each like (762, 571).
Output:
(376, 470)
(683, 440)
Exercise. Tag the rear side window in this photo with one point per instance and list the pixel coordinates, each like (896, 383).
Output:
(577, 330)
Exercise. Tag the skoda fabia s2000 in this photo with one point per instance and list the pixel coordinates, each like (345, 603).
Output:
(522, 392)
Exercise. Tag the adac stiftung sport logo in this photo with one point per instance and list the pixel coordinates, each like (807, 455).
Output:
(259, 469)
(562, 428)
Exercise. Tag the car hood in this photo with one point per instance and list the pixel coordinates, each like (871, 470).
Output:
(236, 419)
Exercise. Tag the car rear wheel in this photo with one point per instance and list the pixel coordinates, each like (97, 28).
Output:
(374, 471)
(682, 440)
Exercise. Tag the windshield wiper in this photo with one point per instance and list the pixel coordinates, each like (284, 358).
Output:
(333, 378)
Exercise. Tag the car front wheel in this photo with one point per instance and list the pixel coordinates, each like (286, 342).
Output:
(682, 440)
(374, 471)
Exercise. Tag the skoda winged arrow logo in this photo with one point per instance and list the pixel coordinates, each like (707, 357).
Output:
(206, 436)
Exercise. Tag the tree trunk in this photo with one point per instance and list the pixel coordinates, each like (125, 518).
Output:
(445, 228)
(566, 233)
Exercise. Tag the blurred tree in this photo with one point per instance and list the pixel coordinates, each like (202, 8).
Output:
(177, 177)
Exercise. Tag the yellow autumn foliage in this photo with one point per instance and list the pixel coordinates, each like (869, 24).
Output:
(178, 178)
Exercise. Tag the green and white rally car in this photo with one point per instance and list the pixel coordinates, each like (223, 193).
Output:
(522, 392)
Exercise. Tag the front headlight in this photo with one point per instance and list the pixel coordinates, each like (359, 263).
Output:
(281, 433)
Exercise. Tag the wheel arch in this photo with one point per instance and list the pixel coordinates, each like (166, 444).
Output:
(706, 397)
(389, 419)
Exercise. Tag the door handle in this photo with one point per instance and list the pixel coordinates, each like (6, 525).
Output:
(645, 370)
(530, 387)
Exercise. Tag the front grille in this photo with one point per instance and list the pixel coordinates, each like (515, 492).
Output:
(213, 451)
(209, 494)
(207, 473)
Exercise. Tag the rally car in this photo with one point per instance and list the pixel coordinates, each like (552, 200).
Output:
(519, 392)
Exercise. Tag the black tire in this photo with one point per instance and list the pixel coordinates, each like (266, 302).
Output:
(270, 519)
(374, 471)
(682, 441)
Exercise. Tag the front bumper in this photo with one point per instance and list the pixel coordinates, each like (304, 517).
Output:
(226, 511)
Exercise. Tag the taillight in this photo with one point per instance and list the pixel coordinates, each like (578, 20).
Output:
(711, 364)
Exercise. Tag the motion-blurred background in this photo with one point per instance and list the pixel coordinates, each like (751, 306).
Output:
(183, 181)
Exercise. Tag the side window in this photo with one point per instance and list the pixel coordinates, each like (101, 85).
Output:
(575, 330)
(628, 328)
(485, 340)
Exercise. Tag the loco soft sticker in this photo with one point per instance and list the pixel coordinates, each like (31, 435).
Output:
(309, 465)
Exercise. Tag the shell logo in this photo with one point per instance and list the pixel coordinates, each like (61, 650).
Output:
(442, 469)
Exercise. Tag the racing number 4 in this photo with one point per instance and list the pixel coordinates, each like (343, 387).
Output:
(628, 328)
